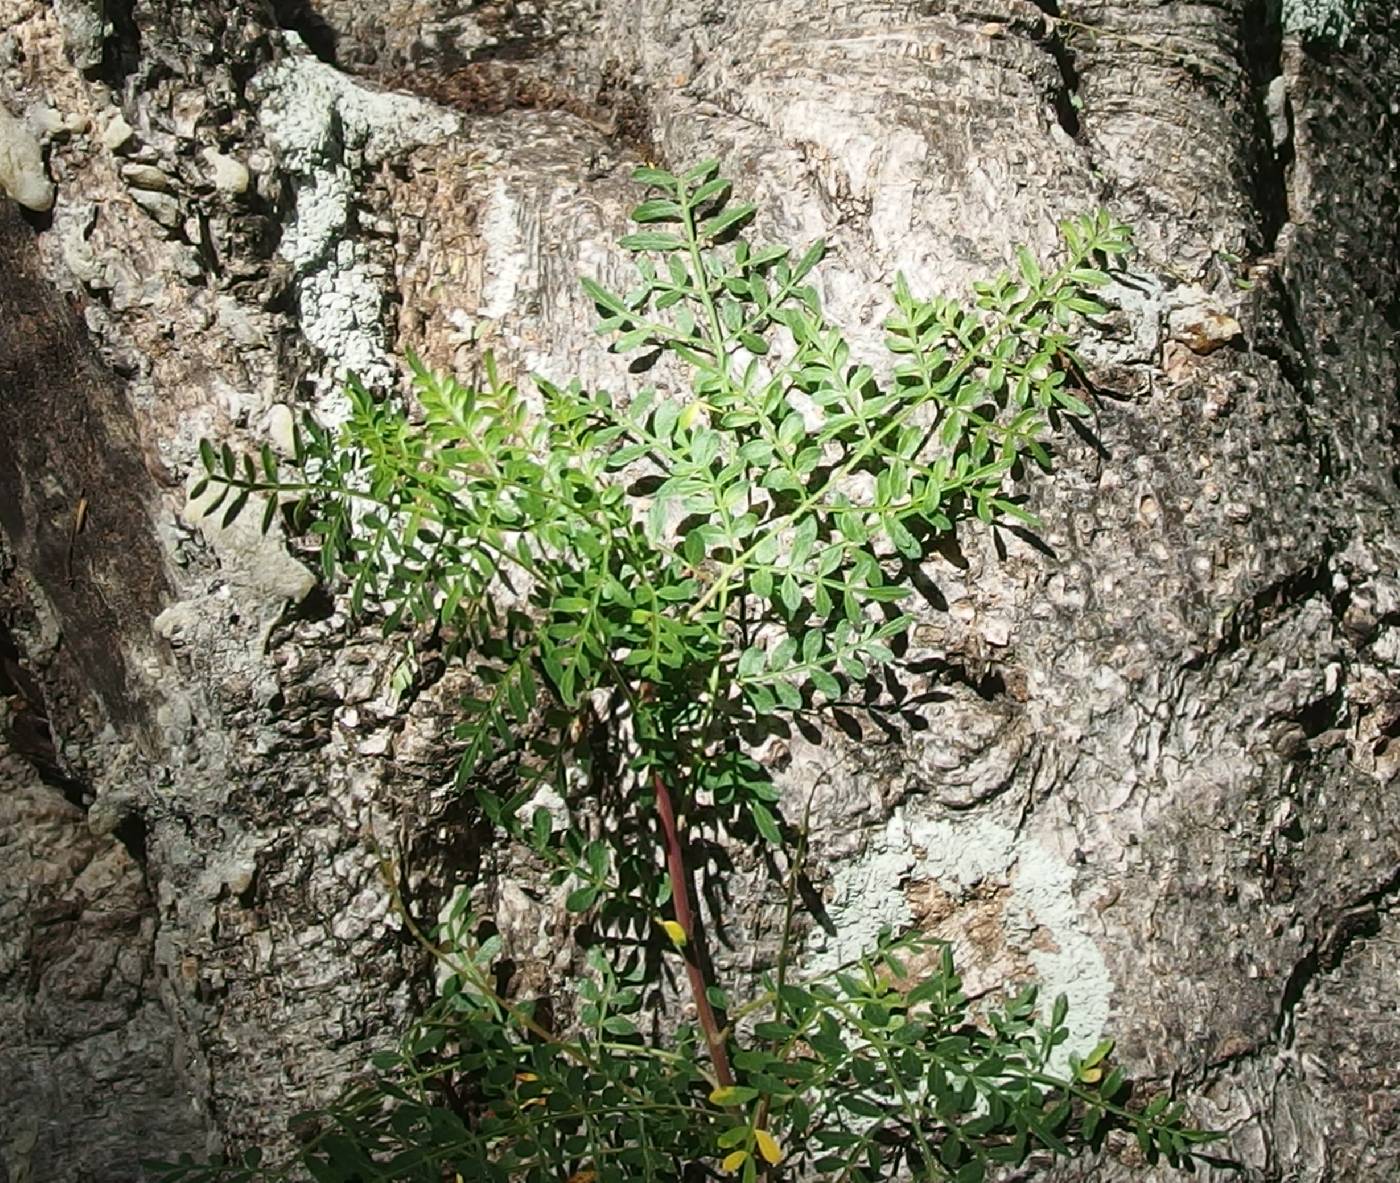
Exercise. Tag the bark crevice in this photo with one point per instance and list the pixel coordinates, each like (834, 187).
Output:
(1349, 923)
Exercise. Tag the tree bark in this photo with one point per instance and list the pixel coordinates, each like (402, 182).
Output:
(1147, 758)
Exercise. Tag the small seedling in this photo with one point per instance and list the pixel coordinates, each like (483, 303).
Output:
(678, 570)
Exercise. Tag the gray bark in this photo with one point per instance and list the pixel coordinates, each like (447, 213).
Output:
(1153, 760)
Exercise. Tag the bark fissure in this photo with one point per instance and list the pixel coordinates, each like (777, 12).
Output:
(1067, 96)
(1262, 49)
(1249, 618)
(1349, 923)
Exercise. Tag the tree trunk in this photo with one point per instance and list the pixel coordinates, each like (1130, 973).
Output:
(1151, 757)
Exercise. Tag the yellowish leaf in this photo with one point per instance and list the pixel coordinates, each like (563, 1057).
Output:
(768, 1147)
(732, 1162)
(1091, 1075)
(675, 932)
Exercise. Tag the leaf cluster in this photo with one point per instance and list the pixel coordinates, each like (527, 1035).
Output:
(715, 556)
(873, 1072)
(876, 1073)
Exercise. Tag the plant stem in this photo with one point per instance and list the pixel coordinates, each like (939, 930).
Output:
(680, 901)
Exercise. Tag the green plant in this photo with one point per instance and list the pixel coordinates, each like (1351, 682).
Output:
(692, 565)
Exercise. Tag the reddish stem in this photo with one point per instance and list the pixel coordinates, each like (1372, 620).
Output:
(680, 901)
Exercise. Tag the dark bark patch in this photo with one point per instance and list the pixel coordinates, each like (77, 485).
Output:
(121, 49)
(26, 724)
(73, 487)
(1262, 46)
(301, 18)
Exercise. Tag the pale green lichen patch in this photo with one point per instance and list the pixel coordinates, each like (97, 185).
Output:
(1039, 919)
(1321, 19)
(328, 130)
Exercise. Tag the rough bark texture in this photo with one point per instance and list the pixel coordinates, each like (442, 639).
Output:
(1151, 758)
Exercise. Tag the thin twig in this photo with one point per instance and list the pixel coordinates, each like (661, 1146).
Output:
(680, 901)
